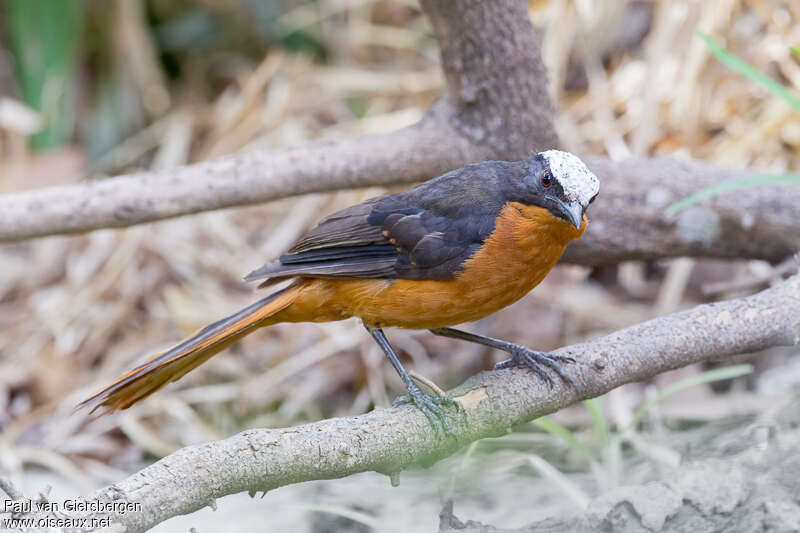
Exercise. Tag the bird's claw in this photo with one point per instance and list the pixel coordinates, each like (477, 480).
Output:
(537, 361)
(431, 407)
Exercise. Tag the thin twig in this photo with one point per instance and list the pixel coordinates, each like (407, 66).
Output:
(428, 383)
(9, 488)
(784, 268)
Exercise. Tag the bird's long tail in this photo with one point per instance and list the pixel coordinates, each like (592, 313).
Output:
(189, 354)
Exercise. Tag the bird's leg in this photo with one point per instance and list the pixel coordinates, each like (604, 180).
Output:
(520, 355)
(429, 405)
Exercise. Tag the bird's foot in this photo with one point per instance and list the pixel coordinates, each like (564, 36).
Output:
(538, 361)
(431, 407)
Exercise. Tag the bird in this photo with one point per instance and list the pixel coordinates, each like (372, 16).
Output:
(453, 249)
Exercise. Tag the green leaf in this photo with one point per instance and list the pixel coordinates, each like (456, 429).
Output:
(795, 50)
(46, 37)
(599, 420)
(557, 430)
(745, 69)
(358, 105)
(560, 481)
(732, 185)
(718, 374)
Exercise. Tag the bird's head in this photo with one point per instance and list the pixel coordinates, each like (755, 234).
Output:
(559, 182)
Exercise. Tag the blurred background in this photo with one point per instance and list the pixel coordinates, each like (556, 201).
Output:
(91, 88)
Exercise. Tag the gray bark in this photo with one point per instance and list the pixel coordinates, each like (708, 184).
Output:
(629, 219)
(496, 82)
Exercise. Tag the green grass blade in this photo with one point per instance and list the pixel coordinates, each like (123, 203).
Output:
(450, 486)
(745, 69)
(46, 39)
(559, 431)
(732, 185)
(560, 481)
(718, 374)
(599, 421)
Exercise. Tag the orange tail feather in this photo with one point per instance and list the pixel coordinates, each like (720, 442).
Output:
(189, 354)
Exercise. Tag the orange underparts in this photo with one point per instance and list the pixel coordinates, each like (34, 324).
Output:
(526, 243)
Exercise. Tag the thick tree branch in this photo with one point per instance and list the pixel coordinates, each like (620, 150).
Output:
(413, 153)
(496, 81)
(629, 220)
(389, 440)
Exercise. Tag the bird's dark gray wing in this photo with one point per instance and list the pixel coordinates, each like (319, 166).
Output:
(424, 233)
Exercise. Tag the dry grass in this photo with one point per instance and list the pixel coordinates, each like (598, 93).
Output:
(76, 311)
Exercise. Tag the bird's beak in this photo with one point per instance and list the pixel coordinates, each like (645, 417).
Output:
(573, 211)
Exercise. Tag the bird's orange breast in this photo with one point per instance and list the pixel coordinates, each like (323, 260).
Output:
(526, 243)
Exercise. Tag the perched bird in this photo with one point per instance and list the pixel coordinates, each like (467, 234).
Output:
(453, 249)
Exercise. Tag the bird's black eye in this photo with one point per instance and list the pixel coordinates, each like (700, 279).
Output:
(547, 179)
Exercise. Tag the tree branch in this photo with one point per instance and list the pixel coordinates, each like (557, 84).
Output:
(7, 486)
(389, 440)
(496, 80)
(629, 220)
(412, 153)
(496, 107)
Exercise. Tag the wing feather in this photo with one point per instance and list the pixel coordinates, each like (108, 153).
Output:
(427, 232)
